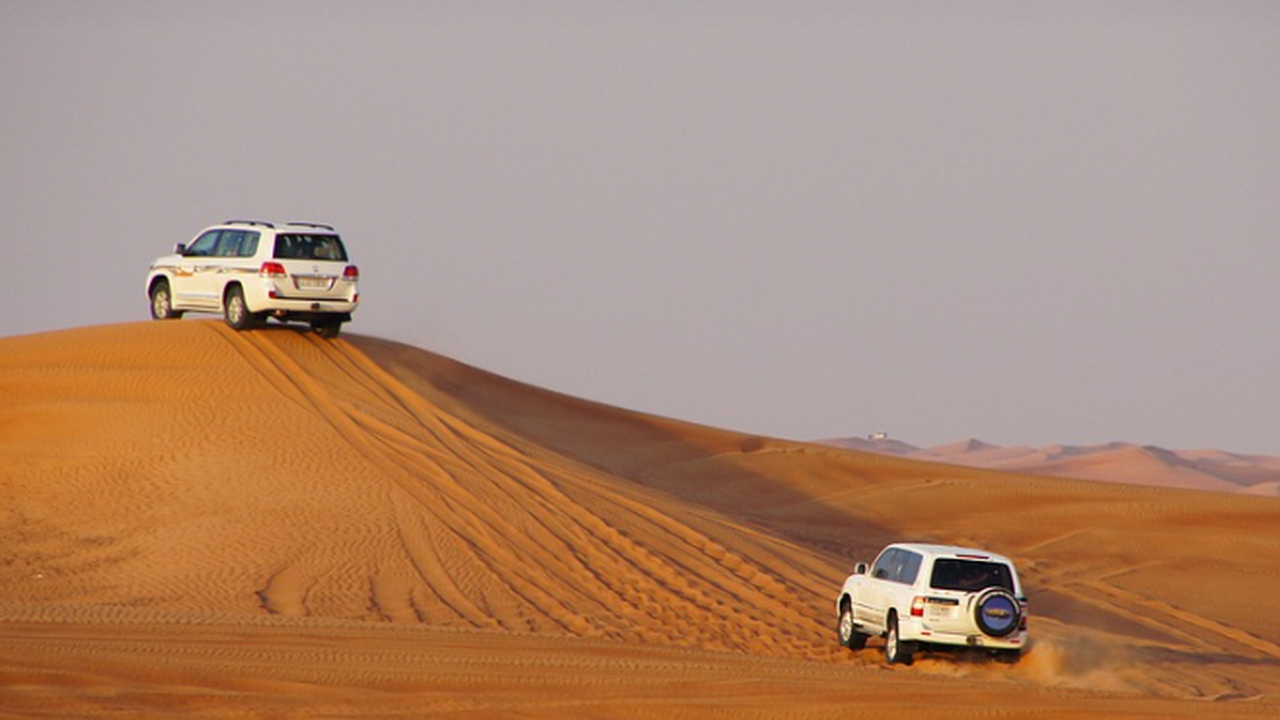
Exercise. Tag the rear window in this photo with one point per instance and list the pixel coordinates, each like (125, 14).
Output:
(970, 575)
(300, 246)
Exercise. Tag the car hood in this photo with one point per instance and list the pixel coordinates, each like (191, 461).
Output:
(166, 260)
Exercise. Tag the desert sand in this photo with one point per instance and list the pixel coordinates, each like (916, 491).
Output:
(214, 524)
(1115, 461)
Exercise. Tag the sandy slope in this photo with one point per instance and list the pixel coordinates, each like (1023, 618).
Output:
(1113, 462)
(267, 523)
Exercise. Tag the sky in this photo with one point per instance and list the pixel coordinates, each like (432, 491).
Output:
(1027, 222)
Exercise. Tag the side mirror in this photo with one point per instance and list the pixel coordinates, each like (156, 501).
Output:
(860, 569)
(180, 248)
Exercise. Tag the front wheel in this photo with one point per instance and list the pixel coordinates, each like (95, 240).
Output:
(847, 631)
(236, 312)
(162, 302)
(896, 651)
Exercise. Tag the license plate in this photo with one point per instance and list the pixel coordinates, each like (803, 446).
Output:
(312, 283)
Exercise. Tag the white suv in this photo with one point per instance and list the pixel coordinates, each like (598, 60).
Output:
(934, 595)
(249, 271)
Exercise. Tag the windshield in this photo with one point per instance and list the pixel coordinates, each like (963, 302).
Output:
(300, 246)
(970, 575)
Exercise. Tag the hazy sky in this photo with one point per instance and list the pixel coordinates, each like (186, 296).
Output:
(1029, 222)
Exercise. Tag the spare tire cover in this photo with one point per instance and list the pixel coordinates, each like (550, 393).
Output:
(997, 612)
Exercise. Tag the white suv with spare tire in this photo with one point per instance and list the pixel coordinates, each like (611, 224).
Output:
(918, 595)
(249, 271)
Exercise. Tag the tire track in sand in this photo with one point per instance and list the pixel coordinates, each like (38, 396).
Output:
(1092, 588)
(550, 487)
(769, 600)
(287, 377)
(501, 538)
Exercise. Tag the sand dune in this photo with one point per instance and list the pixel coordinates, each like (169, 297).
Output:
(197, 520)
(1113, 462)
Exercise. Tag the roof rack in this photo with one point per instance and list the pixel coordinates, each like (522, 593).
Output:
(249, 222)
(311, 224)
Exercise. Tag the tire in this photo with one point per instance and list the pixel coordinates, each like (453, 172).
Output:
(997, 612)
(236, 312)
(327, 329)
(847, 632)
(1008, 657)
(895, 650)
(162, 302)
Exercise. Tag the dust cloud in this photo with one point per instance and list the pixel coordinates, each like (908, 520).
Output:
(1080, 663)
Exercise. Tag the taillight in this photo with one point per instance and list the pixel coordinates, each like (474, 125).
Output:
(917, 606)
(1022, 624)
(271, 269)
(352, 273)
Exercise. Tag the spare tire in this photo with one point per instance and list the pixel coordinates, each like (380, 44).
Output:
(997, 612)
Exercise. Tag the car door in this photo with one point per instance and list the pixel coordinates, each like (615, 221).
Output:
(873, 592)
(904, 569)
(232, 260)
(194, 280)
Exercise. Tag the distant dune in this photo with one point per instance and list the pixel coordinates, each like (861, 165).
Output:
(1113, 462)
(221, 524)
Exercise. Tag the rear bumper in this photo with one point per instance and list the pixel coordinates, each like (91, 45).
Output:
(264, 298)
(921, 632)
(309, 316)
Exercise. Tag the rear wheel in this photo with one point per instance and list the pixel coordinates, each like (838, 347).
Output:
(162, 302)
(1008, 657)
(327, 328)
(236, 312)
(895, 650)
(848, 632)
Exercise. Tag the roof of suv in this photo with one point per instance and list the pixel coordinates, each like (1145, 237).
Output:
(955, 551)
(294, 226)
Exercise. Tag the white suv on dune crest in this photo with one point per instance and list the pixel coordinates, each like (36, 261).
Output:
(249, 271)
(918, 595)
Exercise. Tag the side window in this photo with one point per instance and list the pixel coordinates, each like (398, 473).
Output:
(895, 565)
(249, 245)
(883, 569)
(910, 569)
(229, 243)
(203, 246)
(236, 243)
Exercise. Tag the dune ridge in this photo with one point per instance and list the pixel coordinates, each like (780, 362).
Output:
(197, 519)
(451, 525)
(1214, 470)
